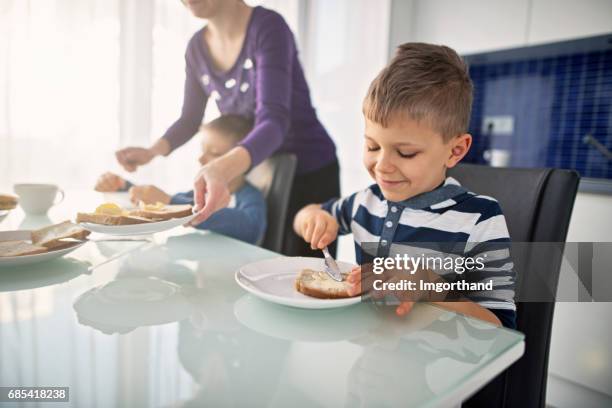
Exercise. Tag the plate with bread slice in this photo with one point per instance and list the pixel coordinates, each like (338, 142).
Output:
(296, 281)
(110, 218)
(24, 247)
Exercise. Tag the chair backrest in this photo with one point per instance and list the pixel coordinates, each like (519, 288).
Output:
(537, 204)
(274, 178)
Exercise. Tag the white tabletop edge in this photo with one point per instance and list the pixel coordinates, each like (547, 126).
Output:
(482, 377)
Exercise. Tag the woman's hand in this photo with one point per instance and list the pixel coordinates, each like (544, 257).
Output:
(211, 193)
(109, 182)
(316, 226)
(212, 183)
(148, 194)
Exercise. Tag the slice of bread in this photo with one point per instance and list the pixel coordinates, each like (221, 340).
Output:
(52, 236)
(106, 219)
(321, 285)
(8, 202)
(166, 213)
(19, 248)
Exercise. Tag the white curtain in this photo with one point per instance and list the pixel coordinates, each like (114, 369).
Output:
(58, 89)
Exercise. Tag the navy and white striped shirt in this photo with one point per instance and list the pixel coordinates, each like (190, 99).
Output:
(448, 220)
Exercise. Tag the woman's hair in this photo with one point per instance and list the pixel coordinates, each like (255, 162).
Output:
(424, 82)
(231, 125)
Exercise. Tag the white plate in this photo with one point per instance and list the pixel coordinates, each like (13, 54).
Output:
(273, 280)
(137, 229)
(30, 259)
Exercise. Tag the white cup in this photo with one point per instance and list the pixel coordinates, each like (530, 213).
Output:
(38, 198)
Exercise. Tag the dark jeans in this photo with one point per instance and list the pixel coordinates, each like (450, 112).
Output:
(315, 187)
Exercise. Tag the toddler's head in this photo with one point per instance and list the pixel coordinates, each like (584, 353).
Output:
(222, 134)
(417, 112)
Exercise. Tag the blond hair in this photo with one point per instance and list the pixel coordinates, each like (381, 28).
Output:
(426, 82)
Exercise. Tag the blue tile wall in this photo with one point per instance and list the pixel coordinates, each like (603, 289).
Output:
(557, 93)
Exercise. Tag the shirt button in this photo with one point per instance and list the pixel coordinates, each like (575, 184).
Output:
(388, 224)
(394, 209)
(383, 242)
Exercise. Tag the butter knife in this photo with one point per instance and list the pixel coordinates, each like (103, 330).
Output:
(331, 267)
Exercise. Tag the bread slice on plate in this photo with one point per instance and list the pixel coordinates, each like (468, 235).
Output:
(58, 236)
(320, 285)
(19, 248)
(8, 202)
(106, 219)
(165, 213)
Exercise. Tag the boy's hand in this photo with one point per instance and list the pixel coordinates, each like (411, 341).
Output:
(109, 182)
(359, 279)
(316, 226)
(354, 281)
(148, 194)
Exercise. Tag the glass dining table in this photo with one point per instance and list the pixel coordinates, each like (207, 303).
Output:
(159, 321)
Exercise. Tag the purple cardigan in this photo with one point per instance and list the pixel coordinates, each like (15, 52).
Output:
(266, 82)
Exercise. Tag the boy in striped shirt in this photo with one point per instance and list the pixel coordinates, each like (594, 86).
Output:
(417, 112)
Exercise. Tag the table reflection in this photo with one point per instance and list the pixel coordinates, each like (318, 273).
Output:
(39, 275)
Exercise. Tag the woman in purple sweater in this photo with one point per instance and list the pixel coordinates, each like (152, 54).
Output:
(246, 60)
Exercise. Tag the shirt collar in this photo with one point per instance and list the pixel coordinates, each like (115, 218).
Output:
(440, 197)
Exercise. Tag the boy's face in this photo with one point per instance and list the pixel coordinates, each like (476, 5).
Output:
(214, 144)
(408, 158)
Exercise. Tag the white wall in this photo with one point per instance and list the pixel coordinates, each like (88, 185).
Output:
(581, 336)
(592, 219)
(468, 25)
(555, 20)
(471, 26)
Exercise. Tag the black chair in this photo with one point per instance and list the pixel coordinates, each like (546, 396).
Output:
(274, 178)
(537, 204)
